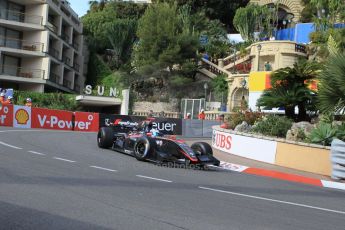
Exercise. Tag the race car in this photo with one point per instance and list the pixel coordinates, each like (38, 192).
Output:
(145, 146)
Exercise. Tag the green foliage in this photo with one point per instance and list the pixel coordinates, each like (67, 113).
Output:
(219, 84)
(273, 126)
(97, 69)
(47, 100)
(166, 38)
(331, 95)
(177, 81)
(253, 18)
(121, 35)
(290, 89)
(323, 134)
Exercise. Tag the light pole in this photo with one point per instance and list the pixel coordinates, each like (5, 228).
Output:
(205, 87)
(259, 49)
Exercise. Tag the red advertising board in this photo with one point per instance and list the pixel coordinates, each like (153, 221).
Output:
(6, 115)
(87, 122)
(51, 119)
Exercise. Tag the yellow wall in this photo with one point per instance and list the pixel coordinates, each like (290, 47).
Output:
(304, 158)
(258, 81)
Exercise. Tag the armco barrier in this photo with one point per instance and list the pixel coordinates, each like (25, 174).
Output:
(27, 117)
(6, 116)
(52, 119)
(87, 122)
(338, 159)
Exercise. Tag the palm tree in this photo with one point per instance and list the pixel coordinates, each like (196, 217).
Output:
(95, 5)
(331, 96)
(290, 88)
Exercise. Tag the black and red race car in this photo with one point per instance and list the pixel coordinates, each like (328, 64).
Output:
(144, 146)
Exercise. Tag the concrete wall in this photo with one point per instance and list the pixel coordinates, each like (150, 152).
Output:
(301, 156)
(156, 107)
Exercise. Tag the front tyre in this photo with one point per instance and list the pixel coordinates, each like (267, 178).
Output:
(105, 137)
(143, 148)
(202, 148)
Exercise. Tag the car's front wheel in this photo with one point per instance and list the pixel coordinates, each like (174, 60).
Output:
(105, 137)
(202, 148)
(143, 148)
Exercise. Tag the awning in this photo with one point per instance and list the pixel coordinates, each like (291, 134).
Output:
(98, 101)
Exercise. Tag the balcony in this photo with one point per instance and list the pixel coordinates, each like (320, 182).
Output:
(76, 66)
(66, 60)
(53, 28)
(54, 53)
(22, 72)
(65, 37)
(67, 83)
(20, 17)
(53, 77)
(21, 44)
(76, 45)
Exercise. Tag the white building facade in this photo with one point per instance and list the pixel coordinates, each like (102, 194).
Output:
(41, 46)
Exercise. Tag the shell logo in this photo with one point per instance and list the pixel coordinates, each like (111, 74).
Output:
(22, 116)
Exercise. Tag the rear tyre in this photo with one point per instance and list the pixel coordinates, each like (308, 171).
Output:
(144, 147)
(105, 137)
(202, 148)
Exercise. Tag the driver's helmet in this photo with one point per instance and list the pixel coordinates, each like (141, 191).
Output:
(147, 125)
(28, 99)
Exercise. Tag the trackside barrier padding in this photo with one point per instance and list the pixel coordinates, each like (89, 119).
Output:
(33, 117)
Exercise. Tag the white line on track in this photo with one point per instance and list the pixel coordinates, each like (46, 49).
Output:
(272, 200)
(105, 169)
(11, 146)
(63, 159)
(152, 178)
(37, 153)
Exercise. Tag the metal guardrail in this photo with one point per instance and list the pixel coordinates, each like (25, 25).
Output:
(21, 44)
(20, 17)
(21, 72)
(338, 159)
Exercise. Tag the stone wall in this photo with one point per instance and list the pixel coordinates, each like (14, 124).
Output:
(172, 106)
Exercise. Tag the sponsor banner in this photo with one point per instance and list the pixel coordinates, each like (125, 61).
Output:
(21, 117)
(249, 147)
(51, 119)
(169, 126)
(6, 115)
(87, 122)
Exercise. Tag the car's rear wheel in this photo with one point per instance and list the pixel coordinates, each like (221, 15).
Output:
(143, 148)
(202, 148)
(105, 137)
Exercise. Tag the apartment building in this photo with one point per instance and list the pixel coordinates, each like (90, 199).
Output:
(41, 46)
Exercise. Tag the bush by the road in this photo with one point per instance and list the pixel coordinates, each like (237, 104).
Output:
(272, 125)
(47, 100)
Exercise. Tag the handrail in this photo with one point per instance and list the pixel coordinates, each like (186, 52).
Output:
(215, 68)
(52, 27)
(20, 17)
(21, 44)
(21, 71)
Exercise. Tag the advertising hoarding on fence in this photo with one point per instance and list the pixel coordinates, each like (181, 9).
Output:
(258, 149)
(87, 122)
(21, 117)
(6, 115)
(51, 119)
(171, 126)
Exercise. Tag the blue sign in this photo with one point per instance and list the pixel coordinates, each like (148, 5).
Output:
(203, 39)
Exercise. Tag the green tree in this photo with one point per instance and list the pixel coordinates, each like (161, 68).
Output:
(121, 35)
(331, 96)
(97, 5)
(164, 37)
(290, 88)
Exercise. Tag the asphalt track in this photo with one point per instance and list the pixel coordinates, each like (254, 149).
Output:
(61, 180)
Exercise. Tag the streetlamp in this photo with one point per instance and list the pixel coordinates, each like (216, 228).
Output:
(259, 49)
(205, 87)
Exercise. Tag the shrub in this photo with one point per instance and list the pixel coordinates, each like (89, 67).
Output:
(323, 134)
(273, 126)
(47, 100)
